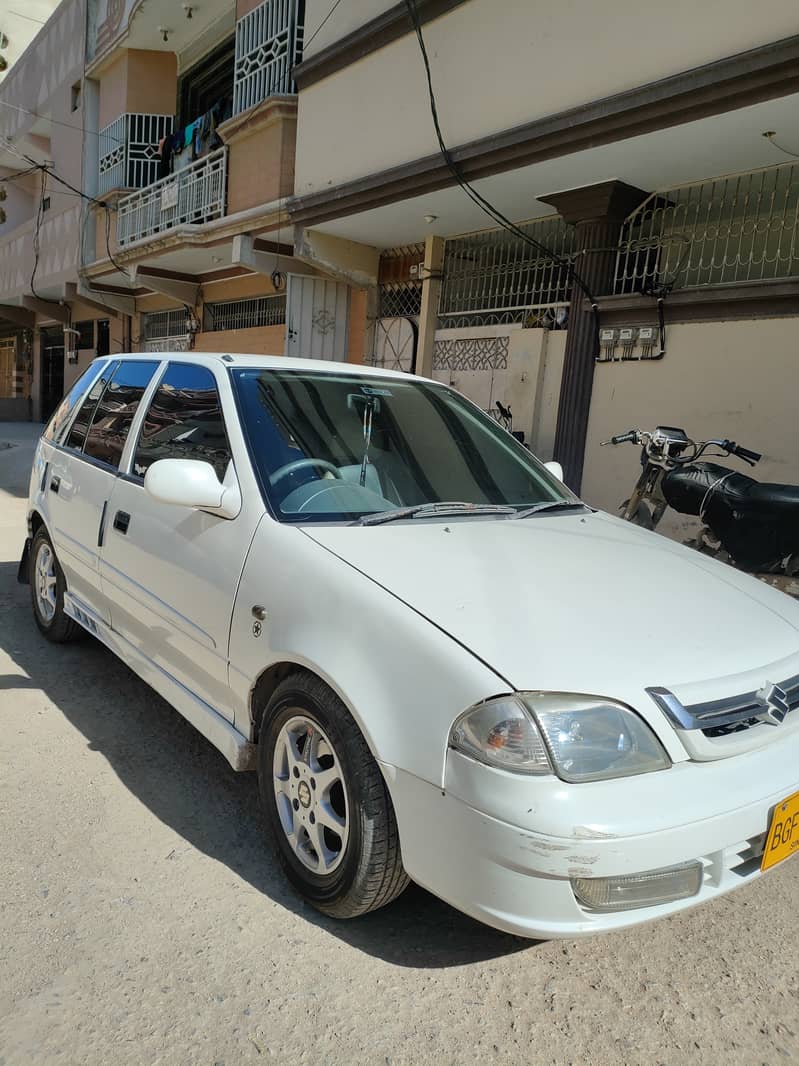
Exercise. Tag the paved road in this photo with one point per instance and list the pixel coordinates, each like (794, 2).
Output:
(143, 920)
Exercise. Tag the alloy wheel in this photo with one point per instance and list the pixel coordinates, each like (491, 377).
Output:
(310, 795)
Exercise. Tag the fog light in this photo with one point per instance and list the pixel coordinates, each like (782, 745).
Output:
(638, 890)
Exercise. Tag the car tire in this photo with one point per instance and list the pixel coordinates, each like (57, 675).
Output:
(326, 803)
(47, 592)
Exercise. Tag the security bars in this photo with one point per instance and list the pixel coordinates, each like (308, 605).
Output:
(738, 228)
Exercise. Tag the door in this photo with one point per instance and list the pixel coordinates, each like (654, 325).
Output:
(395, 344)
(82, 473)
(317, 314)
(170, 573)
(52, 371)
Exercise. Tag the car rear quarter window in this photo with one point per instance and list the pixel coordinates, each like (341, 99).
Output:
(115, 409)
(58, 423)
(184, 421)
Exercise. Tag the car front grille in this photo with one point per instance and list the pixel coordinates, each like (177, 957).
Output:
(721, 718)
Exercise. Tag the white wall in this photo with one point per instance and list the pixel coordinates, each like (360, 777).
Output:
(500, 64)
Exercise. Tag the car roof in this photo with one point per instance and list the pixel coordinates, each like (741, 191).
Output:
(231, 360)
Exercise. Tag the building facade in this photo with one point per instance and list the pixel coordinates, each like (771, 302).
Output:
(645, 153)
(609, 241)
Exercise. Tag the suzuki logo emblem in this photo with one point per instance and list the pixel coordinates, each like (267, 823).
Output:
(775, 702)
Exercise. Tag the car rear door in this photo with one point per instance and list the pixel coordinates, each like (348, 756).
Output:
(170, 572)
(81, 474)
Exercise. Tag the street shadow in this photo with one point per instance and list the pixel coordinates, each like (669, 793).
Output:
(189, 786)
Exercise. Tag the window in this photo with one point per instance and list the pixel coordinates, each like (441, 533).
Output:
(103, 336)
(67, 406)
(184, 421)
(338, 445)
(80, 427)
(74, 97)
(45, 203)
(85, 337)
(115, 410)
(245, 314)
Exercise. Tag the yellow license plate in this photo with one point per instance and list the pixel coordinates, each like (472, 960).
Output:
(783, 835)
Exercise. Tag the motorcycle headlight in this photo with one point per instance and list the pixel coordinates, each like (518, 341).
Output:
(581, 738)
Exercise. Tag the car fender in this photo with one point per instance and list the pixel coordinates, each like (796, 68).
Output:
(403, 679)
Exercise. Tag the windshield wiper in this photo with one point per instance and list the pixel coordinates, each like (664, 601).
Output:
(433, 510)
(551, 505)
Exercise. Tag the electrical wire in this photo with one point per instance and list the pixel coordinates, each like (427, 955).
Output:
(477, 198)
(321, 25)
(785, 151)
(58, 122)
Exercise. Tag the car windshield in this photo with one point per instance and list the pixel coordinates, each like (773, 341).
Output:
(336, 446)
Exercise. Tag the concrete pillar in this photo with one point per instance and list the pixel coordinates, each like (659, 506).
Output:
(597, 213)
(428, 316)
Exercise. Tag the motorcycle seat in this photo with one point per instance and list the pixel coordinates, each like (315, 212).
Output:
(774, 496)
(707, 487)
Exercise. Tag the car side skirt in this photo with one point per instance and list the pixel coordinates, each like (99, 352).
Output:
(238, 751)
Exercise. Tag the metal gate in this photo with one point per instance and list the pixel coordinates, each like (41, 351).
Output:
(316, 318)
(395, 344)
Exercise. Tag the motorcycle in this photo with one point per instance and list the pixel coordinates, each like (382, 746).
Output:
(750, 525)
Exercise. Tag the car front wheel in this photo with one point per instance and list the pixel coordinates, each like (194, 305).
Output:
(326, 802)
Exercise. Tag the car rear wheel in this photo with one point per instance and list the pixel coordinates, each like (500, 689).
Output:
(47, 592)
(326, 802)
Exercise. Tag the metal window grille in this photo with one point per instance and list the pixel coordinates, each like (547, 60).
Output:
(191, 196)
(402, 300)
(496, 277)
(245, 314)
(743, 227)
(268, 47)
(129, 151)
(161, 325)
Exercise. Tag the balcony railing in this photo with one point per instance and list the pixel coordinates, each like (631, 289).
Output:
(129, 151)
(191, 196)
(268, 47)
(739, 228)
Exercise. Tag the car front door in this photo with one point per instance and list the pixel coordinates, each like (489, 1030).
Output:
(81, 473)
(171, 572)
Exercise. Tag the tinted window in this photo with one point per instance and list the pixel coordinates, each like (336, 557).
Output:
(80, 427)
(337, 445)
(184, 421)
(115, 410)
(75, 395)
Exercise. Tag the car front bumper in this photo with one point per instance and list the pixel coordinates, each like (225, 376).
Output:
(504, 849)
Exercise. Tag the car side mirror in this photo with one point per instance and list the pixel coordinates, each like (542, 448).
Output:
(555, 468)
(193, 483)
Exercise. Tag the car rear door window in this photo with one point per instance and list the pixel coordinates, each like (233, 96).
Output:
(184, 421)
(115, 409)
(57, 424)
(83, 419)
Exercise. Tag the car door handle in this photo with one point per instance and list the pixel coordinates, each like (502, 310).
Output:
(55, 483)
(121, 521)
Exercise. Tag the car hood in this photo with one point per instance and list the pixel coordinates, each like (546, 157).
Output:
(583, 603)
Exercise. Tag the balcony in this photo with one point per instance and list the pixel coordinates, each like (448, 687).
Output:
(129, 151)
(268, 47)
(192, 196)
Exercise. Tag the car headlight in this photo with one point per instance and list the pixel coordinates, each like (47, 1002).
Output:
(581, 738)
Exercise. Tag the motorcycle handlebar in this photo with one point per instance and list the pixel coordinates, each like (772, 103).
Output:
(621, 438)
(743, 453)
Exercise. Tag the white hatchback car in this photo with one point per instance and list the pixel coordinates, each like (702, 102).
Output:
(443, 665)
